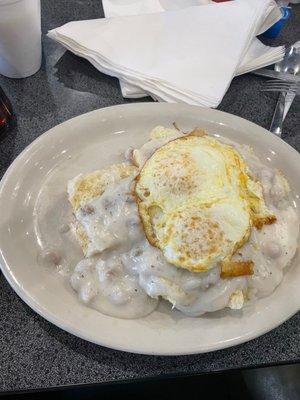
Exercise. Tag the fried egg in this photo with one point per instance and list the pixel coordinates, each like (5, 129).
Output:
(197, 202)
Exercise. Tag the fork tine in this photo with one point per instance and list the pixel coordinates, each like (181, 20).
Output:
(276, 85)
(279, 83)
(279, 89)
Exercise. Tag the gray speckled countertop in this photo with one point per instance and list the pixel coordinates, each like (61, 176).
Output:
(35, 353)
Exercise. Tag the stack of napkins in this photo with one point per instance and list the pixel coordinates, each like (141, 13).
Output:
(257, 56)
(187, 54)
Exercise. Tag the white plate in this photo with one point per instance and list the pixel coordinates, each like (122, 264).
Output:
(33, 204)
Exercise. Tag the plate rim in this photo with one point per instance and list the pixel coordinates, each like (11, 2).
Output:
(50, 317)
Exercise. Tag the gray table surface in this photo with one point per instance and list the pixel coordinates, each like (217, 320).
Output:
(35, 353)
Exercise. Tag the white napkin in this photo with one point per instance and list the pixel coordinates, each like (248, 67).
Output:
(117, 8)
(186, 55)
(258, 55)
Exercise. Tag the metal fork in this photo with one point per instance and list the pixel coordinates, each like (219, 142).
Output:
(280, 86)
(287, 90)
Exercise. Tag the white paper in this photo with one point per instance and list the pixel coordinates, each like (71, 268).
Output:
(186, 55)
(258, 56)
